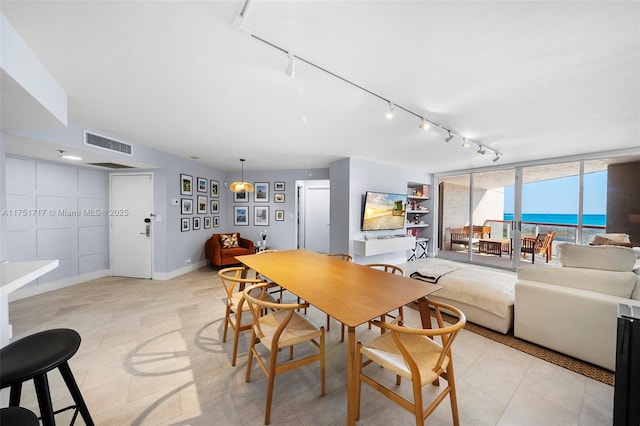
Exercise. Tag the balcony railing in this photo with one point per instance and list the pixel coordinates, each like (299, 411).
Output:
(564, 232)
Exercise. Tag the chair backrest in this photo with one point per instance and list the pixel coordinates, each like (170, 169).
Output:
(341, 256)
(447, 333)
(255, 296)
(231, 277)
(392, 269)
(543, 244)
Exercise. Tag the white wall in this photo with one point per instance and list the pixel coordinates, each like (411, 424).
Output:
(3, 218)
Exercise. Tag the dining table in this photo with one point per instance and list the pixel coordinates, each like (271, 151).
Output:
(349, 292)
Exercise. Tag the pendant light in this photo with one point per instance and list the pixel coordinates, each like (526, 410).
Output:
(242, 185)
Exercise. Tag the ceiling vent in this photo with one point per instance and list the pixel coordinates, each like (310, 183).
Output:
(93, 139)
(111, 165)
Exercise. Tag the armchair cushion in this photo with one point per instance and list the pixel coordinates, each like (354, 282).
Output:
(229, 240)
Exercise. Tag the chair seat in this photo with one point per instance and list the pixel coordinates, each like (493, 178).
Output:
(299, 329)
(383, 351)
(235, 298)
(18, 416)
(26, 358)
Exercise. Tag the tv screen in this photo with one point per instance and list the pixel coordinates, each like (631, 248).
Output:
(383, 211)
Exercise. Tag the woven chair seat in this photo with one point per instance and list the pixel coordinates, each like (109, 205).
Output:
(384, 351)
(235, 298)
(299, 329)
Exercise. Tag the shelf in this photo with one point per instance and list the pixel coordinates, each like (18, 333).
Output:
(415, 197)
(383, 245)
(418, 211)
(418, 225)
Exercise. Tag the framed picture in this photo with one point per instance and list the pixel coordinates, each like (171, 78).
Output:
(261, 194)
(261, 215)
(216, 221)
(186, 184)
(278, 197)
(185, 224)
(196, 223)
(278, 186)
(215, 207)
(202, 185)
(213, 188)
(240, 215)
(241, 197)
(279, 215)
(186, 206)
(207, 222)
(202, 204)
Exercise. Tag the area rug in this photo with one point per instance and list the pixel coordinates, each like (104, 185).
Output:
(581, 367)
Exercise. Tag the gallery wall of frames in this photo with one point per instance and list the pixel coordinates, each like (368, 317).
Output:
(199, 203)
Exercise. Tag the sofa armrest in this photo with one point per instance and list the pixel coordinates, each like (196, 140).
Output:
(246, 243)
(573, 321)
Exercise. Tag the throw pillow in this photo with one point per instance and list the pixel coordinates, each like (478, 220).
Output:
(611, 240)
(229, 240)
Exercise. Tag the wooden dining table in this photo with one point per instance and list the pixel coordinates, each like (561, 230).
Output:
(351, 293)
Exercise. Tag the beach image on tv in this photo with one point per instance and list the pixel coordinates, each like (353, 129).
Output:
(383, 211)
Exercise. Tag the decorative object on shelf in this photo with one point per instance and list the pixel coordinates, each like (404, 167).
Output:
(261, 215)
(185, 224)
(202, 204)
(202, 185)
(261, 194)
(207, 222)
(186, 206)
(196, 223)
(279, 215)
(278, 186)
(186, 184)
(242, 185)
(215, 207)
(263, 235)
(213, 188)
(240, 215)
(278, 198)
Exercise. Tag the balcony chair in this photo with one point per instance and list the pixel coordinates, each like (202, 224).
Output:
(461, 235)
(276, 326)
(414, 354)
(541, 244)
(222, 249)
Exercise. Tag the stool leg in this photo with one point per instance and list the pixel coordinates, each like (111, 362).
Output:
(41, 384)
(65, 371)
(14, 396)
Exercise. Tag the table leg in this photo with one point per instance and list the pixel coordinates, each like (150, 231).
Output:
(425, 312)
(351, 376)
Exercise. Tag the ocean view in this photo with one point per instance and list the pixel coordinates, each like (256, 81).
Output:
(564, 219)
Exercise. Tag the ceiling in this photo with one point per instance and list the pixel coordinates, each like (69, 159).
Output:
(531, 80)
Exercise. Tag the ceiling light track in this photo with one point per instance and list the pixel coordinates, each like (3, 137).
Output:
(393, 107)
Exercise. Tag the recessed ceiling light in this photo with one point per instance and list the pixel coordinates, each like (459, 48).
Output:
(194, 157)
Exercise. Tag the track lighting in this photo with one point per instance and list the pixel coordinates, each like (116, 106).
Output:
(465, 143)
(424, 125)
(291, 65)
(498, 155)
(69, 157)
(392, 111)
(481, 150)
(448, 138)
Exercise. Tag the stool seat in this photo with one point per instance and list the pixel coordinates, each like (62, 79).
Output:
(36, 354)
(32, 357)
(18, 416)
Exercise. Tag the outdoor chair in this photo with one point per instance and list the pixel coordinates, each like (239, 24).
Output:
(541, 244)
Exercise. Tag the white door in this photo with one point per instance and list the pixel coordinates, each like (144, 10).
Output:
(316, 219)
(131, 225)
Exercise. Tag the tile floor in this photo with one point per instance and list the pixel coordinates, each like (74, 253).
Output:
(152, 355)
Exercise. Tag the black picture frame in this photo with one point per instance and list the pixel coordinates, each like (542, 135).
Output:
(279, 216)
(202, 185)
(186, 206)
(260, 215)
(214, 206)
(241, 215)
(185, 224)
(207, 222)
(278, 186)
(261, 192)
(213, 188)
(216, 221)
(202, 204)
(186, 184)
(196, 223)
(278, 197)
(241, 197)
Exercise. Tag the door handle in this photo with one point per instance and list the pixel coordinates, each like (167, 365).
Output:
(147, 232)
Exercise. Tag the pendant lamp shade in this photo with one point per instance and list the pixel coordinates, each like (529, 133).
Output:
(242, 185)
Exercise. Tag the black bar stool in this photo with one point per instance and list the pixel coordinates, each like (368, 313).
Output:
(32, 357)
(18, 416)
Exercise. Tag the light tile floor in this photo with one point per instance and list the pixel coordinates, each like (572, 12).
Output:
(152, 355)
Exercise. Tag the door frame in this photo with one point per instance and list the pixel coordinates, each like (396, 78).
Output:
(153, 232)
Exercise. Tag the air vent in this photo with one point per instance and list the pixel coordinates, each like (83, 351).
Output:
(109, 144)
(110, 165)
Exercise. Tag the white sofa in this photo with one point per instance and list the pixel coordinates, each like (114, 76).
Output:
(572, 308)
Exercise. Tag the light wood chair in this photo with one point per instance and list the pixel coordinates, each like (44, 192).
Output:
(413, 353)
(392, 269)
(541, 244)
(232, 278)
(347, 258)
(276, 326)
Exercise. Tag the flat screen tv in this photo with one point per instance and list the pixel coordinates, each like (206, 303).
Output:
(383, 211)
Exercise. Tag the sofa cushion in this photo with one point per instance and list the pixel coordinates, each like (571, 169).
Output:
(611, 240)
(608, 258)
(613, 283)
(229, 240)
(235, 251)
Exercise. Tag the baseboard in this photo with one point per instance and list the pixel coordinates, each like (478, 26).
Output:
(163, 276)
(29, 291)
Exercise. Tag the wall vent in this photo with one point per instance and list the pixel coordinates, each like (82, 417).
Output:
(111, 165)
(93, 139)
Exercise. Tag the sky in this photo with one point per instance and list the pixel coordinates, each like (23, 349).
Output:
(560, 196)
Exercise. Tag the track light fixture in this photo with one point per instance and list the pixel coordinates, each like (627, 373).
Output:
(290, 71)
(242, 185)
(291, 65)
(69, 157)
(391, 111)
(448, 138)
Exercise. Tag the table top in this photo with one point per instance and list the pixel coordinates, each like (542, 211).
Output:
(351, 293)
(495, 240)
(14, 275)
